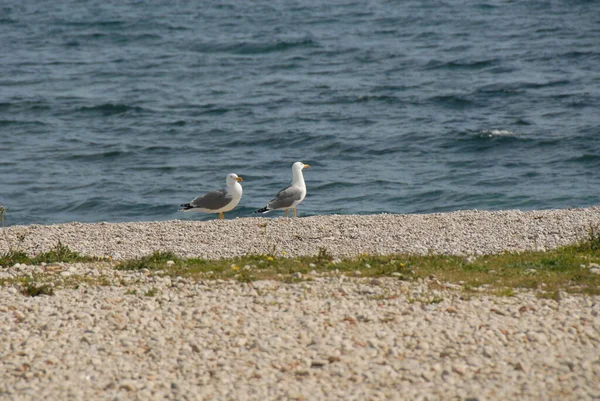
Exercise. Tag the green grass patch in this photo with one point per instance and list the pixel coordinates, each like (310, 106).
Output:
(60, 253)
(12, 257)
(502, 274)
(151, 292)
(563, 269)
(34, 290)
(156, 261)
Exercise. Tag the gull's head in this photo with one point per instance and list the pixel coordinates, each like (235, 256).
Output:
(299, 166)
(232, 178)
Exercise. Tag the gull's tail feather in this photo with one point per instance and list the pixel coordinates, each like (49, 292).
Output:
(263, 210)
(185, 207)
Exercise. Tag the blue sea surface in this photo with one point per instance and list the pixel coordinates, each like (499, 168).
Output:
(122, 110)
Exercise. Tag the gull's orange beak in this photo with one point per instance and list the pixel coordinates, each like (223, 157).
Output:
(239, 179)
(306, 166)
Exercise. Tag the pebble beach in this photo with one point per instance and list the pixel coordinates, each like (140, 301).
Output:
(143, 336)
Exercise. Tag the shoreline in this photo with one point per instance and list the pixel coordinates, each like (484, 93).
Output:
(469, 232)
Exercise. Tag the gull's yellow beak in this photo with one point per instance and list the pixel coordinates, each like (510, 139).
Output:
(306, 166)
(239, 179)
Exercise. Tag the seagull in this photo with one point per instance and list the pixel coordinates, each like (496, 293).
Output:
(290, 197)
(222, 200)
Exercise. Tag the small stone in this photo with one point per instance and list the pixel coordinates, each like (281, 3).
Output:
(297, 275)
(460, 369)
(312, 265)
(127, 386)
(423, 346)
(498, 312)
(318, 364)
(66, 274)
(357, 273)
(595, 270)
(52, 268)
(451, 309)
(170, 263)
(520, 366)
(376, 281)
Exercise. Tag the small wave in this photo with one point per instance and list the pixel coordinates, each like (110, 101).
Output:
(386, 151)
(377, 98)
(496, 133)
(110, 155)
(337, 147)
(500, 89)
(481, 140)
(202, 109)
(540, 85)
(110, 109)
(26, 105)
(460, 64)
(158, 149)
(16, 122)
(530, 174)
(91, 24)
(155, 169)
(113, 37)
(217, 111)
(248, 48)
(452, 101)
(94, 203)
(280, 46)
(358, 99)
(178, 123)
(590, 160)
(333, 185)
(579, 54)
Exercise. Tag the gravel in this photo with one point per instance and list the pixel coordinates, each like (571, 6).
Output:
(332, 338)
(144, 336)
(461, 233)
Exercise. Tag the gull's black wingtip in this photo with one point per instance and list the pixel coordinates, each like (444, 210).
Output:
(185, 206)
(263, 210)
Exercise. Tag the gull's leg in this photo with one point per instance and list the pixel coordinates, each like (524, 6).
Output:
(286, 212)
(295, 212)
(221, 216)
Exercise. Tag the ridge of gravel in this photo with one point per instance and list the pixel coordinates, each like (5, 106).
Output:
(470, 232)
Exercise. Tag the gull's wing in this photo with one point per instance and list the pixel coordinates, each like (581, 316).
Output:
(213, 200)
(285, 198)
